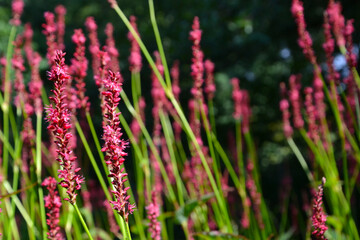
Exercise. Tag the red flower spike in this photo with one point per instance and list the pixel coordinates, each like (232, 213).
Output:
(114, 146)
(58, 116)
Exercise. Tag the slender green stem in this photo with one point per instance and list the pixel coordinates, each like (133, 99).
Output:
(82, 221)
(6, 103)
(151, 144)
(159, 43)
(38, 174)
(301, 159)
(21, 208)
(172, 157)
(94, 134)
(216, 166)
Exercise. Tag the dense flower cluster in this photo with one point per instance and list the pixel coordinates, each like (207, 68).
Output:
(60, 11)
(284, 107)
(135, 53)
(197, 66)
(153, 212)
(210, 87)
(241, 105)
(295, 100)
(304, 41)
(318, 216)
(17, 9)
(53, 204)
(114, 146)
(58, 116)
(50, 33)
(111, 48)
(94, 45)
(78, 68)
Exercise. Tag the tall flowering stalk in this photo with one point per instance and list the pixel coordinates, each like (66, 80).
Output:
(17, 9)
(318, 217)
(94, 45)
(60, 11)
(153, 212)
(135, 60)
(79, 65)
(111, 48)
(197, 66)
(50, 33)
(114, 146)
(53, 204)
(58, 116)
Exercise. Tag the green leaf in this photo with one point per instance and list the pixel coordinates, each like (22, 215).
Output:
(182, 214)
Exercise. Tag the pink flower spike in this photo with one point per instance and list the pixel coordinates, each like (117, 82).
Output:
(53, 204)
(58, 116)
(111, 48)
(210, 87)
(114, 146)
(17, 9)
(153, 212)
(304, 41)
(60, 11)
(197, 66)
(49, 31)
(94, 45)
(135, 60)
(284, 108)
(78, 68)
(318, 216)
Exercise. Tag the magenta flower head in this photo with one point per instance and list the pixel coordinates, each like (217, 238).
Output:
(304, 41)
(318, 217)
(135, 60)
(58, 116)
(60, 11)
(79, 65)
(17, 9)
(197, 66)
(153, 212)
(114, 146)
(284, 108)
(50, 33)
(53, 204)
(210, 87)
(111, 48)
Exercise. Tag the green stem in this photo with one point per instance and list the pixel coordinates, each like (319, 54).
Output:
(38, 174)
(159, 43)
(6, 104)
(301, 159)
(172, 157)
(151, 144)
(94, 134)
(21, 209)
(82, 221)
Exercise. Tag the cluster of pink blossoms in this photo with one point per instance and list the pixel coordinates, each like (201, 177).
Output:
(241, 105)
(53, 204)
(304, 41)
(135, 60)
(79, 65)
(17, 9)
(114, 146)
(197, 66)
(58, 115)
(318, 217)
(153, 212)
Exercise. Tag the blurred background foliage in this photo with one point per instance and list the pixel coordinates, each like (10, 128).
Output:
(254, 40)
